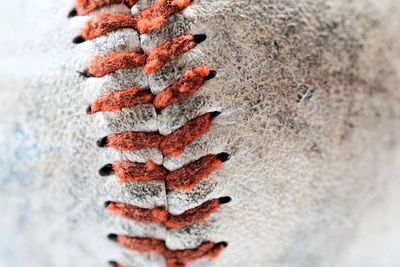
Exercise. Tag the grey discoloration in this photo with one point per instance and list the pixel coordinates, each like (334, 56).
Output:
(309, 97)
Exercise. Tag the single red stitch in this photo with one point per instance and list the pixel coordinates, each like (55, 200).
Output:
(154, 17)
(207, 249)
(173, 144)
(183, 88)
(169, 51)
(106, 22)
(84, 7)
(174, 258)
(100, 66)
(141, 244)
(127, 171)
(196, 215)
(130, 141)
(160, 215)
(149, 216)
(190, 175)
(117, 100)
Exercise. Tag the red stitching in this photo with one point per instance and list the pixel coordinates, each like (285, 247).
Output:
(154, 17)
(173, 144)
(107, 22)
(100, 66)
(170, 145)
(148, 20)
(164, 53)
(186, 86)
(180, 90)
(189, 176)
(161, 216)
(185, 178)
(128, 171)
(174, 258)
(84, 7)
(115, 101)
(130, 141)
(169, 51)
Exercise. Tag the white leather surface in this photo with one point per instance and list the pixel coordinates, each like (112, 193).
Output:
(309, 97)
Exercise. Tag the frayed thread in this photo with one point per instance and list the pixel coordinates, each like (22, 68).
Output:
(174, 258)
(160, 215)
(185, 178)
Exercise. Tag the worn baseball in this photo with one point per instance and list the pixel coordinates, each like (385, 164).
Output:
(177, 133)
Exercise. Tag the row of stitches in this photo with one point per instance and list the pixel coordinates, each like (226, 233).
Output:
(172, 145)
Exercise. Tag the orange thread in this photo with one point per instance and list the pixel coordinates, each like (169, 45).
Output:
(127, 171)
(115, 101)
(180, 90)
(106, 22)
(130, 141)
(173, 144)
(196, 215)
(170, 145)
(183, 88)
(148, 20)
(189, 176)
(160, 215)
(174, 258)
(209, 250)
(149, 216)
(84, 7)
(168, 51)
(154, 17)
(184, 178)
(100, 66)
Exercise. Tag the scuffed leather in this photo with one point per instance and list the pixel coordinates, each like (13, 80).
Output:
(309, 97)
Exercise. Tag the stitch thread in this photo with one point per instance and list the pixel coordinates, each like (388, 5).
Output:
(164, 53)
(84, 7)
(170, 51)
(173, 144)
(161, 216)
(148, 20)
(131, 141)
(106, 22)
(185, 178)
(190, 175)
(128, 171)
(115, 101)
(170, 145)
(180, 90)
(183, 88)
(173, 257)
(154, 17)
(100, 66)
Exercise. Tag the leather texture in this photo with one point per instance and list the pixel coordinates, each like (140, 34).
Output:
(309, 97)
